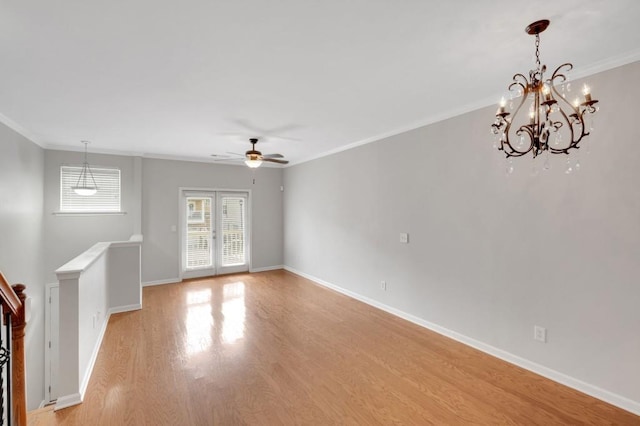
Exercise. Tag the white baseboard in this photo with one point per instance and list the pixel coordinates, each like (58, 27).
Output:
(266, 268)
(556, 376)
(68, 401)
(126, 308)
(178, 280)
(161, 282)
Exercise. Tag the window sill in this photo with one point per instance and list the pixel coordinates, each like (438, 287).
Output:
(89, 213)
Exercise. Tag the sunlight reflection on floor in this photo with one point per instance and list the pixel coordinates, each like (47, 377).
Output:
(205, 307)
(199, 321)
(233, 310)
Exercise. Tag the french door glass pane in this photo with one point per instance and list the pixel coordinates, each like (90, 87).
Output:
(233, 230)
(199, 232)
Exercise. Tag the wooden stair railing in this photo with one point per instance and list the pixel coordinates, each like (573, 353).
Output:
(12, 299)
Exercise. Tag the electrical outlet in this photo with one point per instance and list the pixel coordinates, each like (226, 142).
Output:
(540, 333)
(383, 285)
(404, 237)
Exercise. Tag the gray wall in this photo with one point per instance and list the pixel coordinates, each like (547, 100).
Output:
(66, 236)
(160, 182)
(21, 254)
(490, 255)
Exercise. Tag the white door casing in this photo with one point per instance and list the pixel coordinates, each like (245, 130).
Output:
(224, 233)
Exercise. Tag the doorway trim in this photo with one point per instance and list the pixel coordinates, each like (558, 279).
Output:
(181, 218)
(49, 344)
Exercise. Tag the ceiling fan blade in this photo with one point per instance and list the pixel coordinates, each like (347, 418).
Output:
(228, 156)
(227, 159)
(272, 156)
(273, 160)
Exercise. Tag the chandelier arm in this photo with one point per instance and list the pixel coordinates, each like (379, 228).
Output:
(513, 152)
(558, 95)
(559, 73)
(85, 168)
(515, 112)
(92, 178)
(572, 142)
(577, 115)
(519, 80)
(82, 176)
(584, 132)
(523, 85)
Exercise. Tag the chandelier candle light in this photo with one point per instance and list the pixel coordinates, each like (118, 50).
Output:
(554, 124)
(83, 186)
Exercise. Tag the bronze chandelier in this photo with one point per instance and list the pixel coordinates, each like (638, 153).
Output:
(554, 124)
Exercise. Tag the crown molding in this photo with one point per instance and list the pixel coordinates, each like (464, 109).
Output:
(23, 131)
(598, 67)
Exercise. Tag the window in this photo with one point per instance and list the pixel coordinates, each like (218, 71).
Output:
(105, 200)
(196, 212)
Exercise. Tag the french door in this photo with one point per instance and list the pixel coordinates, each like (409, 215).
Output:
(214, 237)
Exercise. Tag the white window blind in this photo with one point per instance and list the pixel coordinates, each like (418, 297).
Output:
(199, 232)
(233, 230)
(106, 199)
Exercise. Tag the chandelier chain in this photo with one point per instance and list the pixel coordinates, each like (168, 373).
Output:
(538, 51)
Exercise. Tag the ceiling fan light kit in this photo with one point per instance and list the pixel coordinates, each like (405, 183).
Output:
(253, 164)
(254, 158)
(553, 124)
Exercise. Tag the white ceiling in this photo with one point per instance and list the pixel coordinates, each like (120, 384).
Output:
(191, 78)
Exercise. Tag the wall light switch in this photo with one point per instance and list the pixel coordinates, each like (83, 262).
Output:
(540, 333)
(404, 238)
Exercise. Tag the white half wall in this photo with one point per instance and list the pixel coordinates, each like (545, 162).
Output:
(21, 254)
(489, 255)
(161, 180)
(104, 279)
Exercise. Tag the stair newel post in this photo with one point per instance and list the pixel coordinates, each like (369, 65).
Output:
(18, 323)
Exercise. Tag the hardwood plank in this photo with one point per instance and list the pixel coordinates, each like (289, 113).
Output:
(273, 348)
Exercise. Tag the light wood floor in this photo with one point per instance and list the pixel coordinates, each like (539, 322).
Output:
(273, 348)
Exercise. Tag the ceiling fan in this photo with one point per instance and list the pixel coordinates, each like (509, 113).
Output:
(254, 158)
